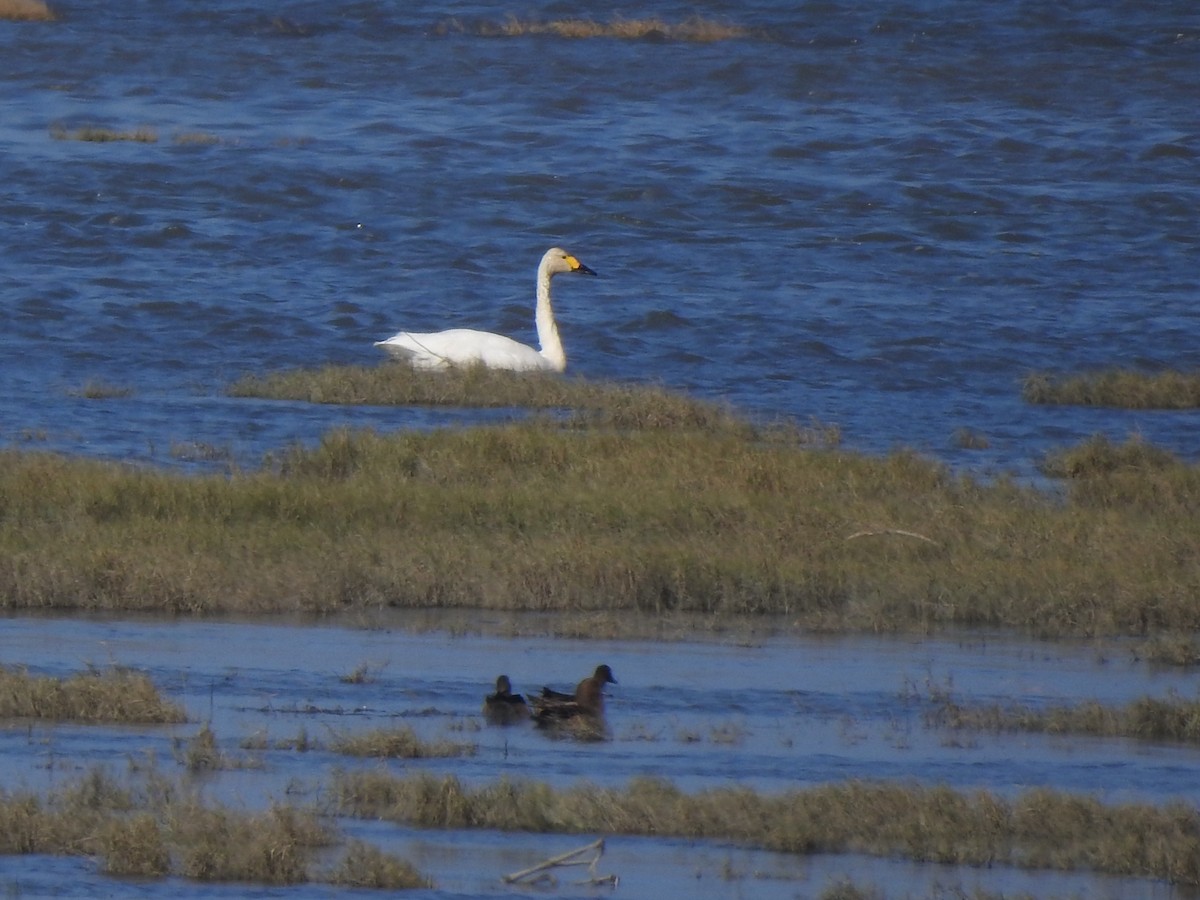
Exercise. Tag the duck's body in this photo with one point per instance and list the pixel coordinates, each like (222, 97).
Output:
(588, 700)
(504, 707)
(468, 347)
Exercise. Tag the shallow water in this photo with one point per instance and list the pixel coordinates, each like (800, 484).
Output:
(880, 215)
(773, 715)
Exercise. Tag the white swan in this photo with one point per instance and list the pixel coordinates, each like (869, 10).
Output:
(467, 347)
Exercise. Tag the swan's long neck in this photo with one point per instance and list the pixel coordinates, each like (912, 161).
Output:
(547, 329)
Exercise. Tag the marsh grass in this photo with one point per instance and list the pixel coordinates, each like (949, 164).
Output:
(201, 451)
(363, 673)
(1099, 458)
(708, 524)
(100, 390)
(97, 135)
(196, 138)
(301, 743)
(1146, 718)
(366, 866)
(1116, 388)
(601, 404)
(969, 439)
(112, 695)
(202, 753)
(1170, 649)
(398, 743)
(692, 29)
(158, 829)
(1036, 829)
(26, 11)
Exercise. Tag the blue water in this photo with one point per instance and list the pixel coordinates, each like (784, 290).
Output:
(878, 215)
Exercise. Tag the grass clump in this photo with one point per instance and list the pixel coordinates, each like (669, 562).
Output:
(1098, 457)
(399, 743)
(600, 404)
(1037, 829)
(202, 753)
(110, 696)
(1116, 388)
(1147, 718)
(693, 29)
(156, 830)
(366, 866)
(219, 844)
(96, 135)
(26, 11)
(99, 390)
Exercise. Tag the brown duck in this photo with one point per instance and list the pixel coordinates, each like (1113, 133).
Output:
(587, 701)
(504, 707)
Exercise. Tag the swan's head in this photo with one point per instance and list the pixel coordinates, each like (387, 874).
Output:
(503, 685)
(557, 260)
(604, 675)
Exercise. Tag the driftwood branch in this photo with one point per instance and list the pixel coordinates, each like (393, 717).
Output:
(577, 857)
(899, 531)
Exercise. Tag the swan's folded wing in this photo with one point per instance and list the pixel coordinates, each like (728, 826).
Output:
(463, 347)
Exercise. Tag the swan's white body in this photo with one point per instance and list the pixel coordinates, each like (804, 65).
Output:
(467, 347)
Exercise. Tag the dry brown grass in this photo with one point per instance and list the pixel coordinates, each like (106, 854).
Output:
(1147, 718)
(365, 866)
(108, 695)
(1037, 829)
(26, 11)
(159, 829)
(398, 743)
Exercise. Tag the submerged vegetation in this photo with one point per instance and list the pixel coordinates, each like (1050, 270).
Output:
(96, 135)
(1037, 829)
(1116, 388)
(109, 695)
(633, 500)
(693, 29)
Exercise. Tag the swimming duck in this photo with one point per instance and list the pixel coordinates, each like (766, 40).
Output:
(504, 707)
(588, 700)
(467, 347)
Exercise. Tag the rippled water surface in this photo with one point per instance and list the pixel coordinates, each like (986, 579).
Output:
(770, 715)
(880, 215)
